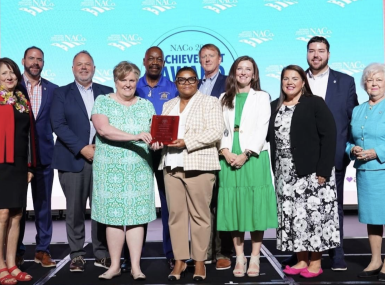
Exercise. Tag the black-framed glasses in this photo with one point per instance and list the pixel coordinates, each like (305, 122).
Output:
(183, 80)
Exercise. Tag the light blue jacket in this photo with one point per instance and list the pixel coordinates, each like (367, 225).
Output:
(368, 131)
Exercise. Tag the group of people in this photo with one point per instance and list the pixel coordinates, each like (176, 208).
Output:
(214, 180)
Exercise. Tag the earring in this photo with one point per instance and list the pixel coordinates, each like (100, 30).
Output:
(303, 90)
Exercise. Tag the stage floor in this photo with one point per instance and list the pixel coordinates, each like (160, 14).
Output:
(154, 264)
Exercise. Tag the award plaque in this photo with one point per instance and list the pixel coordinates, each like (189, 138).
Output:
(164, 129)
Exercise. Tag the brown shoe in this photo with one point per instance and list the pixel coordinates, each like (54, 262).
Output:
(223, 264)
(44, 259)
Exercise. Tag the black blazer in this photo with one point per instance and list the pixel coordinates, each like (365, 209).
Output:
(219, 86)
(312, 136)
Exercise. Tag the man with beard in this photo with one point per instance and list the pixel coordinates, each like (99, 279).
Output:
(339, 92)
(73, 155)
(40, 92)
(157, 89)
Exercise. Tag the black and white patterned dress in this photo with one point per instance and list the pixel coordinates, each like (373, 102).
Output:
(307, 211)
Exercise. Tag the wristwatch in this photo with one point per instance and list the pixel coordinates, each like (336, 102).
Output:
(247, 153)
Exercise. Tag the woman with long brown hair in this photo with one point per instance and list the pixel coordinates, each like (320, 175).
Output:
(246, 197)
(302, 135)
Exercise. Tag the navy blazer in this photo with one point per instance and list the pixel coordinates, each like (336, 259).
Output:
(341, 98)
(43, 127)
(219, 86)
(71, 125)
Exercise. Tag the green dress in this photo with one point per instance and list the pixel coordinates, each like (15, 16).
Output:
(123, 182)
(246, 196)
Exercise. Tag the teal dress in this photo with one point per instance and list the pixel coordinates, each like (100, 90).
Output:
(246, 196)
(123, 182)
(368, 131)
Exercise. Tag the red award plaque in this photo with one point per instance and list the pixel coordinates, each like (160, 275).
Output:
(164, 129)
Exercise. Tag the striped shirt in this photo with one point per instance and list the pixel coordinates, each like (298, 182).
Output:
(34, 93)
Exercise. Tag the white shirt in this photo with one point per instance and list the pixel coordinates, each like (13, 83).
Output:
(174, 156)
(88, 99)
(208, 84)
(318, 83)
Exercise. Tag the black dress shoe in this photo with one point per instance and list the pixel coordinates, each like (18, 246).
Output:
(381, 277)
(370, 273)
(125, 266)
(171, 263)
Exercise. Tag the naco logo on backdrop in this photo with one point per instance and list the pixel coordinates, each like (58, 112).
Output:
(181, 48)
(96, 7)
(342, 3)
(219, 5)
(103, 76)
(279, 5)
(306, 34)
(255, 38)
(274, 71)
(348, 67)
(48, 74)
(66, 42)
(123, 41)
(35, 7)
(158, 6)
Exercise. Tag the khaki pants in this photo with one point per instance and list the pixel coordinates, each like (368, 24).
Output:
(188, 198)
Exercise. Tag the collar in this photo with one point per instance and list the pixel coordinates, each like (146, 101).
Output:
(161, 82)
(26, 80)
(212, 77)
(81, 87)
(325, 73)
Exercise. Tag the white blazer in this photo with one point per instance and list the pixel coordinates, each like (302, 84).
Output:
(254, 123)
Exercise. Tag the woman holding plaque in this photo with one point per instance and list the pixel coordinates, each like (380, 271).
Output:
(123, 193)
(188, 165)
(246, 196)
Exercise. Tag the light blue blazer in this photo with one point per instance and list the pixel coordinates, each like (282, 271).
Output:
(368, 131)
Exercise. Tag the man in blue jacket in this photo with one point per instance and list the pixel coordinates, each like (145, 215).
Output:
(73, 155)
(40, 92)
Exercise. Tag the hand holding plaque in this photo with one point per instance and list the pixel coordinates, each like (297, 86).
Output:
(164, 129)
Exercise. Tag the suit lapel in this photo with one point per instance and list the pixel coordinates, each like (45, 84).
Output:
(331, 88)
(78, 97)
(44, 94)
(193, 110)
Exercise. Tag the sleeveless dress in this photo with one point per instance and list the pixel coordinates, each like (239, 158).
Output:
(123, 181)
(307, 211)
(246, 196)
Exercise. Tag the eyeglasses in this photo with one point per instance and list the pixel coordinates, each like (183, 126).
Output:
(183, 80)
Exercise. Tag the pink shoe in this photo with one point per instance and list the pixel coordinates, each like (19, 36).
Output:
(293, 271)
(305, 273)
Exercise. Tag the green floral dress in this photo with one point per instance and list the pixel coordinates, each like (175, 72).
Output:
(123, 192)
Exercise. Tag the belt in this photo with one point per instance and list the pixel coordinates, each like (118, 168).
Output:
(236, 129)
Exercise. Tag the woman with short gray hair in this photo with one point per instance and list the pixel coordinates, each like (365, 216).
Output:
(367, 147)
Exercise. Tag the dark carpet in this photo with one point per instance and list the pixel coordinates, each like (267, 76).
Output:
(155, 268)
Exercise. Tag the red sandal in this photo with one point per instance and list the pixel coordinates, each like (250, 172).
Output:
(3, 280)
(21, 276)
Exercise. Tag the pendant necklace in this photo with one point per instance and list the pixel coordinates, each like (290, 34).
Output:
(150, 93)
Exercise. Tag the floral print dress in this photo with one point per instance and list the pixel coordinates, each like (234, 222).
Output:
(307, 211)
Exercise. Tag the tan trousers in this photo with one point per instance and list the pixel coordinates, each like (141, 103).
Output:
(188, 197)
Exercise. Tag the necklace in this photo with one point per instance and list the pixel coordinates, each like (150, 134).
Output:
(150, 93)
